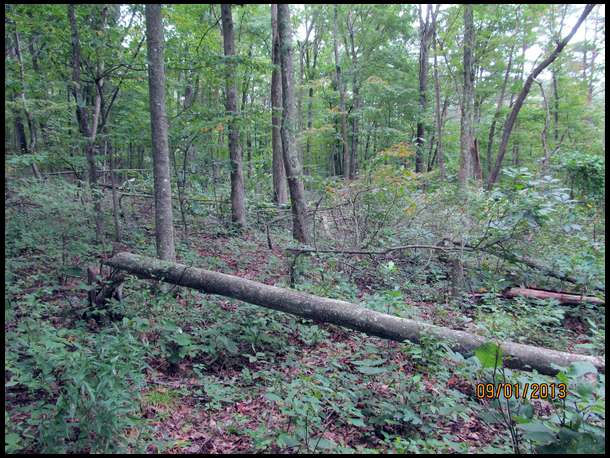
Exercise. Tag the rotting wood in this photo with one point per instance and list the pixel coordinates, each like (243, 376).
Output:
(563, 298)
(111, 287)
(339, 312)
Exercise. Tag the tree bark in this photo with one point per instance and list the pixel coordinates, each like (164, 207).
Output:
(467, 170)
(87, 131)
(115, 198)
(164, 223)
(438, 117)
(20, 135)
(426, 30)
(512, 117)
(238, 210)
(492, 129)
(280, 189)
(310, 75)
(340, 89)
(562, 298)
(355, 121)
(556, 105)
(340, 312)
(291, 161)
(28, 114)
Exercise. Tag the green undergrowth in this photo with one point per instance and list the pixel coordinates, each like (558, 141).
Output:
(177, 372)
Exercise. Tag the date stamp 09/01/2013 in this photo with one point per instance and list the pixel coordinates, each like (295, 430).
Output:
(522, 391)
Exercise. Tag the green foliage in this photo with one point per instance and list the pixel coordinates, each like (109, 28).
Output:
(85, 386)
(273, 382)
(577, 425)
(490, 355)
(586, 173)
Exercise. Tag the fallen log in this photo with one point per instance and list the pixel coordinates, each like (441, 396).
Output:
(373, 252)
(531, 263)
(562, 298)
(341, 313)
(541, 268)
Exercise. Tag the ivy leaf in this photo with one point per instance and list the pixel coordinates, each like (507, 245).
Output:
(372, 370)
(489, 354)
(537, 432)
(369, 362)
(326, 444)
(579, 368)
(357, 422)
(273, 397)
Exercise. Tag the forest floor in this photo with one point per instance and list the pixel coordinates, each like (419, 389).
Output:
(248, 379)
(208, 431)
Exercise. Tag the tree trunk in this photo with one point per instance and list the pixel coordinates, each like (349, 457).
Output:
(426, 29)
(438, 118)
(467, 170)
(512, 117)
(21, 141)
(291, 161)
(492, 129)
(340, 312)
(280, 190)
(28, 114)
(87, 131)
(164, 223)
(340, 89)
(115, 199)
(356, 102)
(238, 210)
(556, 105)
(310, 75)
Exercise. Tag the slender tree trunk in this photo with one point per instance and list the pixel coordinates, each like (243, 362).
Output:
(426, 29)
(309, 127)
(89, 132)
(238, 210)
(544, 134)
(342, 112)
(24, 106)
(300, 230)
(21, 142)
(492, 129)
(310, 71)
(164, 224)
(512, 117)
(280, 189)
(115, 197)
(556, 105)
(467, 170)
(355, 120)
(439, 123)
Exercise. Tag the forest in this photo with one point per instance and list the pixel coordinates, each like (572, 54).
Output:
(305, 228)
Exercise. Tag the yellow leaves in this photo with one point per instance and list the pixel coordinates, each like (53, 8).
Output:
(400, 150)
(410, 209)
(218, 128)
(375, 80)
(399, 178)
